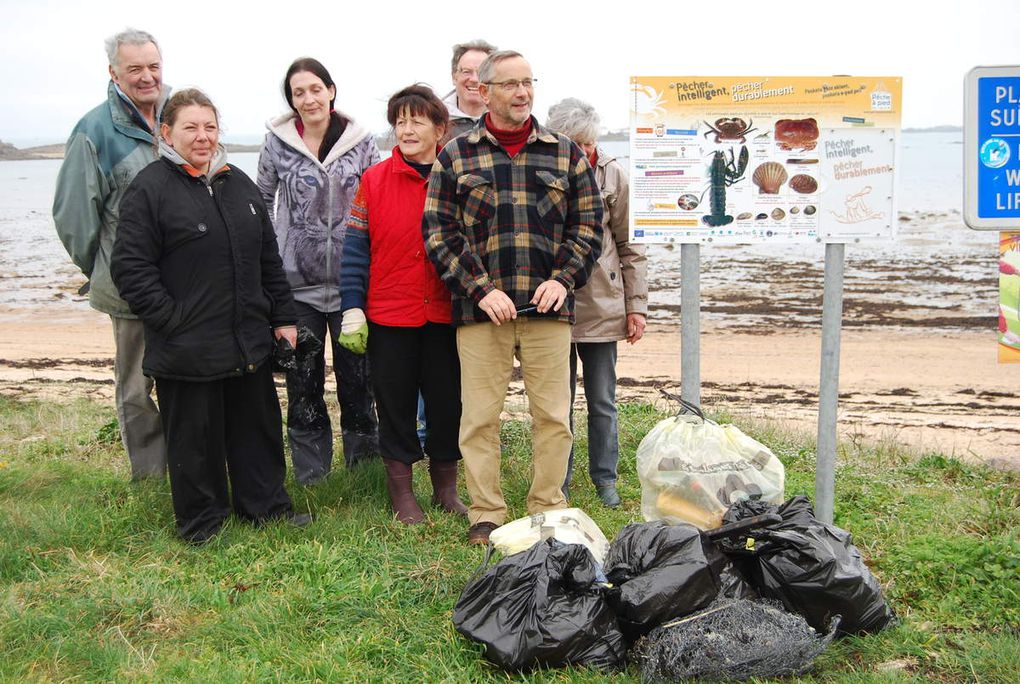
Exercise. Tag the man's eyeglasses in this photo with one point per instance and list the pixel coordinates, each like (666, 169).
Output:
(513, 84)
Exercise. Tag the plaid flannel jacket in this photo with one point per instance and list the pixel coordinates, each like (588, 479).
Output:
(492, 222)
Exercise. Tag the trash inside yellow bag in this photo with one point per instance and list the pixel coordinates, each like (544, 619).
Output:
(692, 469)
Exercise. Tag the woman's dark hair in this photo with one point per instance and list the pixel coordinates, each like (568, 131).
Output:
(337, 123)
(418, 100)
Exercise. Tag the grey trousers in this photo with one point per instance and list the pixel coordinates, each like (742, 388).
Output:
(598, 365)
(140, 428)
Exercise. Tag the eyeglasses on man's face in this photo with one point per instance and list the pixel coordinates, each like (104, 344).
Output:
(513, 84)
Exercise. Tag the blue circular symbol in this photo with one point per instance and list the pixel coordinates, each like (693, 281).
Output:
(994, 153)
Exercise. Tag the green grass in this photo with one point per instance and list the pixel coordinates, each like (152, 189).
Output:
(94, 586)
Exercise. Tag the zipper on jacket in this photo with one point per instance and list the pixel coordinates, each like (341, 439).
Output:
(329, 242)
(245, 360)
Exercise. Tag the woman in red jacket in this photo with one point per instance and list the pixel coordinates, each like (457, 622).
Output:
(394, 303)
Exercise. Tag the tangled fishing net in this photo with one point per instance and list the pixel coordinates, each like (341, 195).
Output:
(731, 640)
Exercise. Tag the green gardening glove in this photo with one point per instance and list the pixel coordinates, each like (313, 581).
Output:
(353, 331)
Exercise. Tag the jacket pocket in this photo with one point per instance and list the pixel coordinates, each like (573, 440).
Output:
(608, 200)
(551, 196)
(178, 236)
(477, 198)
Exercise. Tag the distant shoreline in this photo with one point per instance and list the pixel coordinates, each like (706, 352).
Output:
(9, 152)
(934, 129)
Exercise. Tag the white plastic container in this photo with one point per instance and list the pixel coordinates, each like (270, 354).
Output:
(568, 525)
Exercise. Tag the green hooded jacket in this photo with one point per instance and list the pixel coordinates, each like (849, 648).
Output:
(106, 150)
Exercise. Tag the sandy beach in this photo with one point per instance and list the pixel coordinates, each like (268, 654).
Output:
(906, 386)
(918, 364)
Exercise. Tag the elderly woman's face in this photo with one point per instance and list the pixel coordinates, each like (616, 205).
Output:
(417, 136)
(194, 134)
(587, 146)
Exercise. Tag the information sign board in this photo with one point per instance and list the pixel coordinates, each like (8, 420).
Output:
(992, 148)
(759, 159)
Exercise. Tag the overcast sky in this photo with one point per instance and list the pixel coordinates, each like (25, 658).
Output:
(54, 68)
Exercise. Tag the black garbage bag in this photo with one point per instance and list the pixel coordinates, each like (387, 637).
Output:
(285, 354)
(733, 582)
(661, 572)
(542, 608)
(812, 567)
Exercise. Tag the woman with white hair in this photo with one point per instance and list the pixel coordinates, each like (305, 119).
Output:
(612, 306)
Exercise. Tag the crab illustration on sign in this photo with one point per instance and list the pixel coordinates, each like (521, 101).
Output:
(857, 209)
(732, 129)
(647, 101)
(797, 134)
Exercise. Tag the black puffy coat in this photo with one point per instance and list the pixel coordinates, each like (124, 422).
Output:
(199, 265)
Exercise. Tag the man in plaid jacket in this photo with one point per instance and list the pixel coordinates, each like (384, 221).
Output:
(512, 222)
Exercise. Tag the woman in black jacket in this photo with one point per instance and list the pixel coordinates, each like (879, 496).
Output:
(196, 259)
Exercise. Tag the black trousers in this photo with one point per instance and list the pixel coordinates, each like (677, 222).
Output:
(405, 361)
(308, 423)
(219, 429)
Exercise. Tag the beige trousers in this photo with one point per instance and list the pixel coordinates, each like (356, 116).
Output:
(487, 354)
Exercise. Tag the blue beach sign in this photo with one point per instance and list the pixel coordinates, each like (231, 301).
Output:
(992, 148)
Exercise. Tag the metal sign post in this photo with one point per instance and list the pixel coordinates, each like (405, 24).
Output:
(828, 387)
(690, 323)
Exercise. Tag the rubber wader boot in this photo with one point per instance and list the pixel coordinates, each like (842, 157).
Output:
(444, 486)
(398, 483)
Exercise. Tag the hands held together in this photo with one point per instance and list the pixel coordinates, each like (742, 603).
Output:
(550, 295)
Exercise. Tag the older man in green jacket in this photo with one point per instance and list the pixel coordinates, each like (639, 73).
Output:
(107, 148)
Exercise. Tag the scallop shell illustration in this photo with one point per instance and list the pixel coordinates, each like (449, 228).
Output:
(778, 214)
(803, 184)
(769, 177)
(809, 209)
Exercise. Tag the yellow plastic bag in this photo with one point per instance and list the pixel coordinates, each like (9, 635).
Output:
(692, 469)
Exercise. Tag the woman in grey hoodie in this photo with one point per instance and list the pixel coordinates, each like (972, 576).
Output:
(309, 169)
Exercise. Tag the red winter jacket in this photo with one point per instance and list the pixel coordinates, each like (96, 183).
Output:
(384, 260)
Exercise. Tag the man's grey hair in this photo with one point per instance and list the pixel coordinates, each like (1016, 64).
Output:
(128, 36)
(575, 119)
(488, 67)
(461, 48)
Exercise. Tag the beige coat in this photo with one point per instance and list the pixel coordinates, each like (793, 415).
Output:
(618, 286)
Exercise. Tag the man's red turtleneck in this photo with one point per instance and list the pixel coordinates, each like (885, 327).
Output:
(511, 141)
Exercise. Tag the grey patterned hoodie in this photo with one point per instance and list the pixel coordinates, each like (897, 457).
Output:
(310, 202)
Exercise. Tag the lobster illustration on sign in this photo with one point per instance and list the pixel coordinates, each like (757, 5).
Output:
(722, 174)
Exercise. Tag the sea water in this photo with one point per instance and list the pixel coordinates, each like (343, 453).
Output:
(930, 176)
(35, 270)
